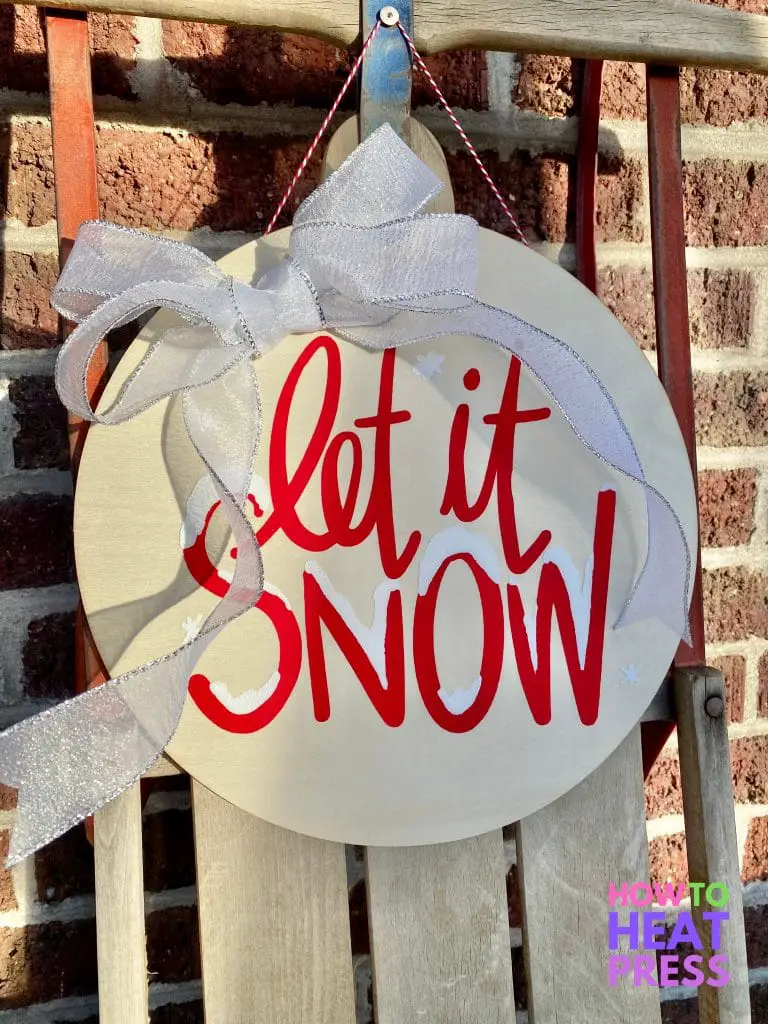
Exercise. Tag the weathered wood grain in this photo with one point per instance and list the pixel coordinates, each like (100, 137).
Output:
(710, 830)
(568, 854)
(121, 941)
(661, 31)
(274, 920)
(440, 933)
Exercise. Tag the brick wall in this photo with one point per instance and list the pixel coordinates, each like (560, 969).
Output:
(199, 129)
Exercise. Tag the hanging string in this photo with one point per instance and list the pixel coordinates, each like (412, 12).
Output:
(419, 62)
(323, 127)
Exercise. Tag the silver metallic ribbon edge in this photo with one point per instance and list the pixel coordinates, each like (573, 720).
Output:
(363, 262)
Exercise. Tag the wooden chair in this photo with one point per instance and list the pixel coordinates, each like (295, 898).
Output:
(273, 905)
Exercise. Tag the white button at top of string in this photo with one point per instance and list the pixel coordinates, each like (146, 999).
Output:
(388, 18)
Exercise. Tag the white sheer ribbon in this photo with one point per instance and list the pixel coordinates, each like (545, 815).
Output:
(365, 263)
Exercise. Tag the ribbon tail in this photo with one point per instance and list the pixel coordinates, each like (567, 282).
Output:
(70, 760)
(654, 593)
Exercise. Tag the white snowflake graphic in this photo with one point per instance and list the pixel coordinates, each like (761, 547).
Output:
(429, 366)
(630, 675)
(191, 627)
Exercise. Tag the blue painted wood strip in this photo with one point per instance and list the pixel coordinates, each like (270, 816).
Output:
(385, 86)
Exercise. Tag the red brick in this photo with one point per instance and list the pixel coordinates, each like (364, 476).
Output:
(755, 865)
(7, 892)
(668, 859)
(758, 997)
(514, 907)
(64, 868)
(29, 190)
(27, 319)
(178, 1013)
(169, 852)
(23, 65)
(720, 305)
(539, 191)
(726, 203)
(756, 928)
(734, 669)
(628, 293)
(227, 64)
(680, 1011)
(48, 657)
(762, 693)
(166, 784)
(727, 506)
(663, 793)
(619, 201)
(113, 53)
(548, 85)
(552, 86)
(22, 50)
(720, 98)
(43, 962)
(623, 96)
(747, 6)
(358, 919)
(8, 798)
(222, 182)
(735, 604)
(731, 408)
(519, 979)
(749, 763)
(35, 541)
(173, 948)
(41, 441)
(462, 77)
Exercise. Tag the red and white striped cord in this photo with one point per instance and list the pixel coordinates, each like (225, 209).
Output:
(323, 127)
(418, 61)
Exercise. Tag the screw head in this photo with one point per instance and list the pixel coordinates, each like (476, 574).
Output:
(714, 707)
(389, 16)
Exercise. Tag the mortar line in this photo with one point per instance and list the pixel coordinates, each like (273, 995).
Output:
(499, 66)
(16, 237)
(752, 685)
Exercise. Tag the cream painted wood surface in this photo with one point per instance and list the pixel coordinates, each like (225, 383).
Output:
(440, 933)
(274, 921)
(568, 853)
(710, 829)
(664, 31)
(122, 956)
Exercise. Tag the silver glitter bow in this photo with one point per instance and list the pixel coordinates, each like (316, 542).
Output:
(364, 262)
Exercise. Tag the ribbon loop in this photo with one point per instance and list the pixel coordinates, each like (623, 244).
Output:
(363, 261)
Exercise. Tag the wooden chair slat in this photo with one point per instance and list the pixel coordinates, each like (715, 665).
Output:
(121, 940)
(274, 920)
(568, 853)
(668, 32)
(710, 832)
(440, 933)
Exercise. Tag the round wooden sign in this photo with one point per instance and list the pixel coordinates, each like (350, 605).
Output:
(435, 653)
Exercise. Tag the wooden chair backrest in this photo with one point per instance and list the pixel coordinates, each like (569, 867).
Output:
(273, 905)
